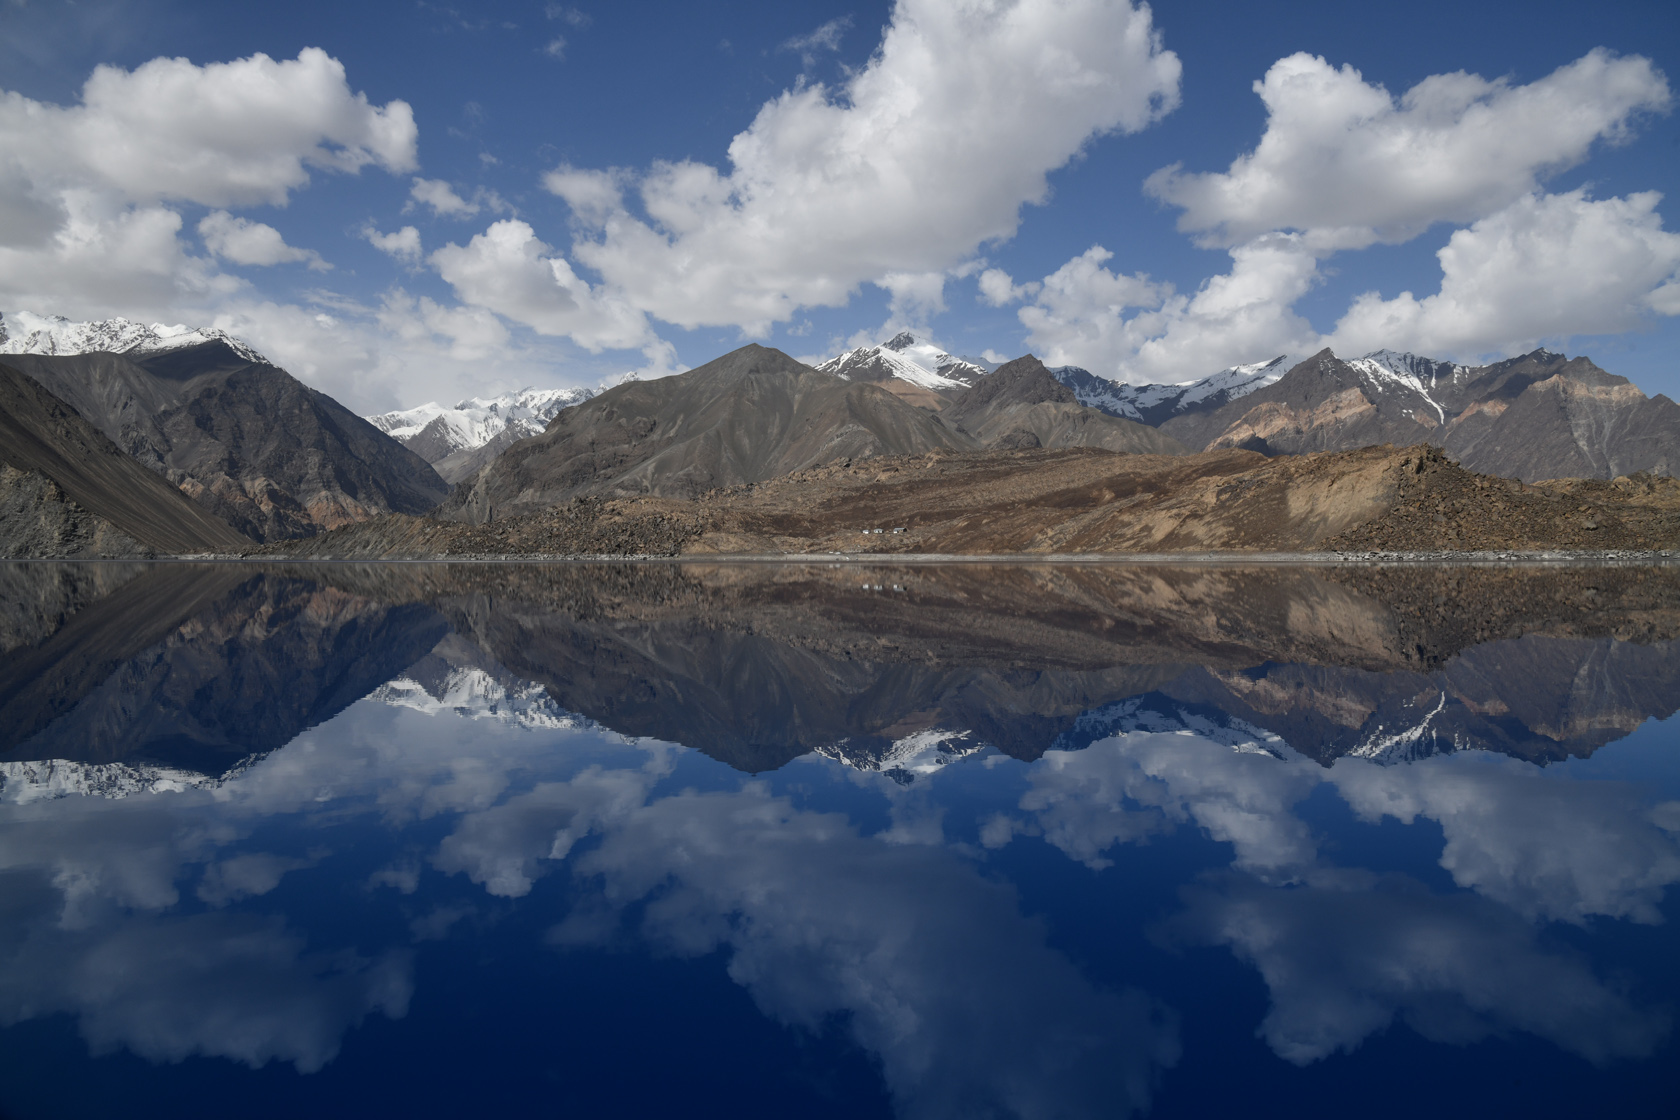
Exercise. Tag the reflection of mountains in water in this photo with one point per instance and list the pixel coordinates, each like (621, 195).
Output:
(457, 678)
(196, 670)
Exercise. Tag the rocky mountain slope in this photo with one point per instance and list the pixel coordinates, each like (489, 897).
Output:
(244, 439)
(1071, 501)
(1537, 416)
(747, 416)
(68, 491)
(459, 441)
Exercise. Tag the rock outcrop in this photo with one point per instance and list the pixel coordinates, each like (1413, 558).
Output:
(68, 491)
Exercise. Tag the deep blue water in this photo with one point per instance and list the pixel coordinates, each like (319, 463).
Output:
(461, 895)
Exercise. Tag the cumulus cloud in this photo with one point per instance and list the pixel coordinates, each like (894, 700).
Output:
(506, 269)
(87, 224)
(224, 134)
(247, 242)
(441, 197)
(403, 244)
(828, 188)
(1133, 329)
(1346, 164)
(1545, 267)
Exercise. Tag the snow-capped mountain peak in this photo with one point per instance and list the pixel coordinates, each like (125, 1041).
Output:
(1387, 369)
(25, 333)
(908, 358)
(474, 693)
(477, 420)
(919, 754)
(1153, 404)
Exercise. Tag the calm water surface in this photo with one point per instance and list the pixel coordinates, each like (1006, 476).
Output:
(913, 842)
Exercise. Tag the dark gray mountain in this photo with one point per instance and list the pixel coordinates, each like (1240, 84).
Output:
(1533, 417)
(750, 415)
(244, 439)
(66, 490)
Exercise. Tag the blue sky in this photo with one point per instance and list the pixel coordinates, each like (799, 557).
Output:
(976, 170)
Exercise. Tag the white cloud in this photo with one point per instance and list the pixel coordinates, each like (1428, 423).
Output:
(441, 197)
(998, 290)
(224, 134)
(556, 47)
(508, 270)
(246, 242)
(1346, 164)
(404, 244)
(830, 189)
(1545, 267)
(1079, 315)
(86, 223)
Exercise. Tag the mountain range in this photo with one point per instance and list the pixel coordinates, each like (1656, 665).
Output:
(267, 458)
(756, 414)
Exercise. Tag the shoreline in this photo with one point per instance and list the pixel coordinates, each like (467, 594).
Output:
(1505, 557)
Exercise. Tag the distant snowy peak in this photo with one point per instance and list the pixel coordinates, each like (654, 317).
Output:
(434, 431)
(1155, 404)
(476, 694)
(25, 333)
(51, 779)
(917, 755)
(908, 358)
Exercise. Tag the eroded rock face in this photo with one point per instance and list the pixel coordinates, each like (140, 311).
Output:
(242, 438)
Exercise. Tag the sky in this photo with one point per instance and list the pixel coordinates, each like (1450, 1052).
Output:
(404, 202)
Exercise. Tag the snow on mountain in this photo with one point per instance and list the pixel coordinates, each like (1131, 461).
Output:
(475, 422)
(916, 755)
(47, 780)
(1134, 717)
(477, 694)
(1386, 369)
(1153, 404)
(911, 359)
(33, 334)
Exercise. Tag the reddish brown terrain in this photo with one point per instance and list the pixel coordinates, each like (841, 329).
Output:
(1076, 500)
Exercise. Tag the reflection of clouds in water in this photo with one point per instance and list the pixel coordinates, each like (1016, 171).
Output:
(933, 967)
(167, 987)
(1079, 798)
(1343, 960)
(1546, 847)
(87, 883)
(1348, 953)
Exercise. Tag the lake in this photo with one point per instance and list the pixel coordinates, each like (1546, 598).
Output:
(838, 840)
